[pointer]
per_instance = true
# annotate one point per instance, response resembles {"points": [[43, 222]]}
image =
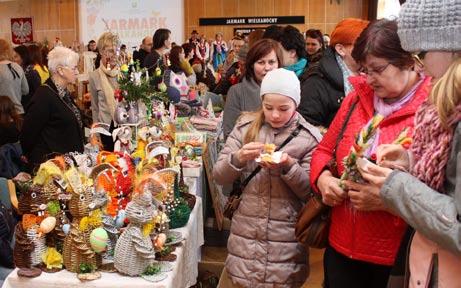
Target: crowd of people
{"points": [[309, 94]]}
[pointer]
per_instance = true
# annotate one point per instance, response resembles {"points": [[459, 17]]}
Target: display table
{"points": [[184, 274]]}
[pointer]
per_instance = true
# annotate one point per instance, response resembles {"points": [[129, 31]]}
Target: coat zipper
{"points": [[407, 262]]}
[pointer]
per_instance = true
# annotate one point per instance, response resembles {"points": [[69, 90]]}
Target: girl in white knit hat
{"points": [[263, 251]]}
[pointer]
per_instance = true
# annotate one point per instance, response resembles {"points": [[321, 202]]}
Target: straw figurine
{"points": [[83, 207], [101, 175], [29, 242], [134, 251]]}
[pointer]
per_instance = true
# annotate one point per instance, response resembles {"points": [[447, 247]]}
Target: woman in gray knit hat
{"points": [[428, 197]]}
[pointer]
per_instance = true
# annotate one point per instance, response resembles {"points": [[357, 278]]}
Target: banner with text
{"points": [[266, 20], [132, 20]]}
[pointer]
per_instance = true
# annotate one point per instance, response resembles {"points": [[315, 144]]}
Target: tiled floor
{"points": [[213, 260]]}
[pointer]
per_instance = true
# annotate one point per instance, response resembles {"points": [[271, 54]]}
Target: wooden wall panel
{"points": [[51, 19], [245, 8], [59, 18], [298, 7], [264, 7], [231, 7], [316, 13], [211, 9], [320, 14], [281, 7]]}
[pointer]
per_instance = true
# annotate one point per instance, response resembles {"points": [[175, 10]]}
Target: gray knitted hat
{"points": [[430, 25]]}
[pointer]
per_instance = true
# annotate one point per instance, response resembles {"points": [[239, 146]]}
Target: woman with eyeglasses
{"points": [[103, 82], [422, 185], [364, 236], [53, 123]]}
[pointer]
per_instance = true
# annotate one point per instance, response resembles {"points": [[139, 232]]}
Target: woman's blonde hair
{"points": [[107, 39], [6, 52], [253, 131], [446, 93]]}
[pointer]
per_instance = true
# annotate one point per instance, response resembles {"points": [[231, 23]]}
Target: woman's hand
{"points": [[393, 156], [249, 151], [332, 194], [374, 174], [364, 197], [285, 163]]}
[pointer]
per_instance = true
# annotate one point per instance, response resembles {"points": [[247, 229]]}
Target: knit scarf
{"points": [[108, 86], [298, 67], [346, 74], [432, 144]]}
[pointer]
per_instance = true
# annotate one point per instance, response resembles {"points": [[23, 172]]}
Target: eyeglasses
{"points": [[373, 72], [75, 68]]}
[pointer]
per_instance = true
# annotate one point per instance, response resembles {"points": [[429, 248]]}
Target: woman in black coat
{"points": [[53, 123]]}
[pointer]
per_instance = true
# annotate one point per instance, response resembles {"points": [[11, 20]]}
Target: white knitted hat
{"points": [[430, 25], [283, 82]]}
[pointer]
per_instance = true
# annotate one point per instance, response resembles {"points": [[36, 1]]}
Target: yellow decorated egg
{"points": [[124, 68], [98, 240], [158, 71], [162, 87], [48, 224]]}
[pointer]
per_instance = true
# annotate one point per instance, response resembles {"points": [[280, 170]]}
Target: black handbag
{"points": [[234, 198]]}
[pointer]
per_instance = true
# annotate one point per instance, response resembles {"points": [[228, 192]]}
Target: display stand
{"points": [[210, 156]]}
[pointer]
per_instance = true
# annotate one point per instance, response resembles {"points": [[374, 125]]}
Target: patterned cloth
{"points": [[432, 144], [65, 96], [346, 74]]}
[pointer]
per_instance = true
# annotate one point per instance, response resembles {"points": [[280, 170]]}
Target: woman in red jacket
{"points": [[364, 237]]}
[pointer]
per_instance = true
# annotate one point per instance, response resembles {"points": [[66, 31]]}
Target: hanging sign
{"points": [[266, 20]]}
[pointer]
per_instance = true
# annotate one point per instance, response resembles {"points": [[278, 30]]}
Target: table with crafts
{"points": [[185, 268]]}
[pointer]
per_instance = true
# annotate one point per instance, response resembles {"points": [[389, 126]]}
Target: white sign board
{"points": [[132, 20]]}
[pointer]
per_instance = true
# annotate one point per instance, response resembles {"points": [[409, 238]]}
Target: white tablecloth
{"points": [[184, 273]]}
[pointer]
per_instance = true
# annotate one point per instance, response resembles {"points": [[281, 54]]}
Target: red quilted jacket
{"points": [[367, 236]]}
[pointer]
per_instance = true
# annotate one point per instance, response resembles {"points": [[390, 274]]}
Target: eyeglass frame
{"points": [[372, 72], [74, 69]]}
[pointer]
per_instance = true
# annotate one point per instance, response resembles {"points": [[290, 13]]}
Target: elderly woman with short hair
{"points": [[53, 122]]}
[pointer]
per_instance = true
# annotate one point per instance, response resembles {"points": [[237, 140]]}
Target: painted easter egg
{"points": [[190, 153], [98, 240], [160, 240], [48, 224], [158, 72], [120, 220], [124, 68], [162, 87], [66, 228]]}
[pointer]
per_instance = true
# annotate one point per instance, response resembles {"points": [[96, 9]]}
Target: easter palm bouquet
{"points": [[363, 140]]}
